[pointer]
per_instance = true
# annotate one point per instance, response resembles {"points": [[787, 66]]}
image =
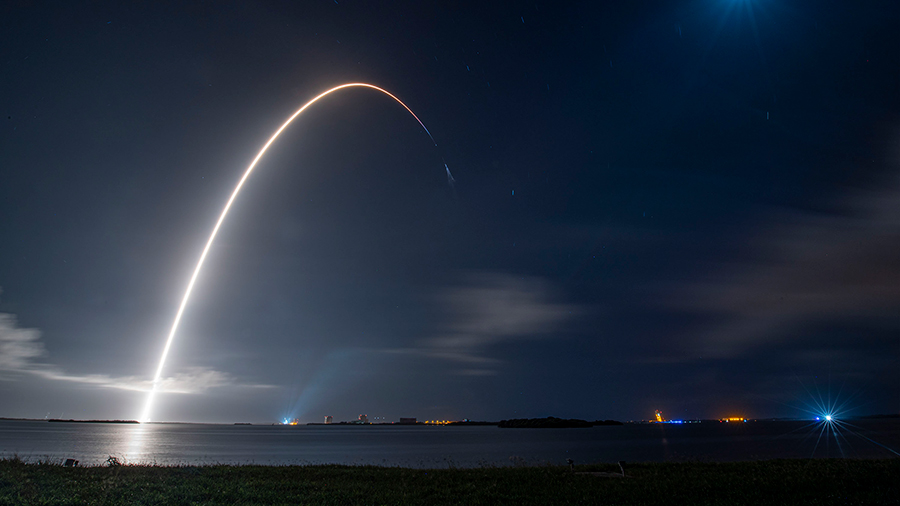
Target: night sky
{"points": [[690, 206]]}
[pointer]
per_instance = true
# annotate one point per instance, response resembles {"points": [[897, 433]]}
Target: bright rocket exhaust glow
{"points": [[145, 417]]}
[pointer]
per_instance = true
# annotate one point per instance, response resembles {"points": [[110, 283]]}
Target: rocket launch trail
{"points": [[148, 406], [450, 180]]}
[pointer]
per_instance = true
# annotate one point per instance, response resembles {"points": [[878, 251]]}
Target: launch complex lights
{"points": [[148, 406], [296, 421], [661, 419]]}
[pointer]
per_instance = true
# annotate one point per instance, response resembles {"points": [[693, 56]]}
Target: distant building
{"points": [[407, 421], [363, 419], [328, 418]]}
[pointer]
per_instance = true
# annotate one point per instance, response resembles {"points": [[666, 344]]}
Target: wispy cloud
{"points": [[805, 268], [191, 381], [18, 347], [489, 309], [21, 349]]}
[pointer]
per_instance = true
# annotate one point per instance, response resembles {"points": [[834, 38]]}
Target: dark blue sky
{"points": [[686, 206]]}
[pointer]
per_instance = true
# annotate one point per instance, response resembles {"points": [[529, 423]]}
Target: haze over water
{"points": [[440, 446]]}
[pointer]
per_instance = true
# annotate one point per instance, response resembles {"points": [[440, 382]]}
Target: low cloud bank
{"points": [[21, 350]]}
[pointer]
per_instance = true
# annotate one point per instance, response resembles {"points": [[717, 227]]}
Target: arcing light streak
{"points": [[145, 417]]}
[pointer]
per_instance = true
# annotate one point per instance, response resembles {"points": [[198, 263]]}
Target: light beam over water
{"points": [[148, 407]]}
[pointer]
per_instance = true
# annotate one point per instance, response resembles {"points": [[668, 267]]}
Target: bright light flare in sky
{"points": [[148, 407]]}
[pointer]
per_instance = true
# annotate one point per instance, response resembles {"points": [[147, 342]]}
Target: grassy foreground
{"points": [[769, 482]]}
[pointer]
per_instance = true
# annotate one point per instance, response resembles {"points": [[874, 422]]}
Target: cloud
{"points": [[20, 349], [476, 372], [491, 309], [191, 381], [805, 268]]}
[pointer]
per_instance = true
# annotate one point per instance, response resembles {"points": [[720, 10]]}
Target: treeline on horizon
{"points": [[551, 422]]}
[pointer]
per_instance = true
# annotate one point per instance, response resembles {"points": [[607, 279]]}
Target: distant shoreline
{"points": [[64, 420], [452, 424]]}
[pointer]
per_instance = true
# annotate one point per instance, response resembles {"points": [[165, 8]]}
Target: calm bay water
{"points": [[441, 446]]}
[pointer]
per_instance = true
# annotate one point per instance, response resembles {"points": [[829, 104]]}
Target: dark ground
{"points": [[834, 481]]}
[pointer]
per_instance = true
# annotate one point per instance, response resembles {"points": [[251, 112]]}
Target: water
{"points": [[440, 446]]}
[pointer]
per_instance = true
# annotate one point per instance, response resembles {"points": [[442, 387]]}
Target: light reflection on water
{"points": [[430, 446], [135, 449]]}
